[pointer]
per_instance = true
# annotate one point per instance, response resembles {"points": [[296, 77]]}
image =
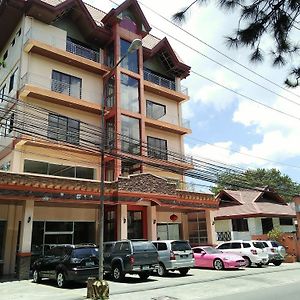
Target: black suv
{"points": [[130, 256], [67, 263]]}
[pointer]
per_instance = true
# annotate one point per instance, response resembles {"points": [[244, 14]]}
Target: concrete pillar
{"points": [[152, 221], [122, 222], [185, 226], [24, 253], [210, 227], [297, 205]]}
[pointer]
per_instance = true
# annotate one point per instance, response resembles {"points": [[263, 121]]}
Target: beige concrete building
{"points": [[60, 63]]}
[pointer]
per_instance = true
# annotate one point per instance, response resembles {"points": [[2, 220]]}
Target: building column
{"points": [[210, 227], [152, 223], [297, 206], [185, 226], [24, 253], [122, 222]]}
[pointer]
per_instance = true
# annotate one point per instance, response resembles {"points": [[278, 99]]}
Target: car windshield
{"points": [[180, 246], [211, 250], [85, 252], [259, 245]]}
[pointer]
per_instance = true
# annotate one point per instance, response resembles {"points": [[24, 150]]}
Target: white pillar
{"points": [[152, 221], [122, 222], [210, 227]]}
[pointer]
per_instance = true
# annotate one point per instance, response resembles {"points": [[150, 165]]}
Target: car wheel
{"points": [[36, 276], [183, 271], [218, 264], [277, 263], [247, 261], [144, 275], [161, 271], [117, 273], [60, 280]]}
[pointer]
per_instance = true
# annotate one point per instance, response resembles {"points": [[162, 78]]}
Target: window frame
{"points": [[150, 114], [240, 224], [156, 151]]}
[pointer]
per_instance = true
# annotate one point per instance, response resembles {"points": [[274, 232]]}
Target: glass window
{"points": [[259, 245], [64, 129], [130, 61], [161, 246], [224, 246], [5, 55], [240, 225], [109, 225], [11, 82], [157, 148], [86, 173], [130, 129], [56, 239], [37, 167], [110, 92], [110, 133], [180, 246], [66, 84], [2, 93], [130, 94], [235, 246], [61, 170], [143, 246], [286, 221], [59, 226], [110, 56], [134, 225], [84, 232], [155, 110], [246, 245], [85, 252]]}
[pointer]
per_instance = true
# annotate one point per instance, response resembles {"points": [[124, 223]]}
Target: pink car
{"points": [[209, 257]]}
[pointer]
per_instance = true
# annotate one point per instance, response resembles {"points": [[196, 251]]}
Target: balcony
{"points": [[59, 48], [164, 87], [170, 123], [53, 91], [233, 235]]}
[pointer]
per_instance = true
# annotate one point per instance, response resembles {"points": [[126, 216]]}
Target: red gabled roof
{"points": [[249, 203]]}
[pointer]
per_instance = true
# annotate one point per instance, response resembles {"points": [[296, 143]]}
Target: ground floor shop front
{"points": [[34, 217]]}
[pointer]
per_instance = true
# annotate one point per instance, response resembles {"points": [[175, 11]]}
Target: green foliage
{"points": [[275, 234], [257, 19], [258, 178]]}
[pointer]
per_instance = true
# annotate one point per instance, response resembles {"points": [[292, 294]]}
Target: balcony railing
{"points": [[224, 236], [161, 81], [82, 51], [59, 87], [175, 120], [63, 44]]}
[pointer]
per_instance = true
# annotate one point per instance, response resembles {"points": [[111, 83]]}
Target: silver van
{"points": [[174, 255]]}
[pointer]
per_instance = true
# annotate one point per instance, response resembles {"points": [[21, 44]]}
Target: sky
{"points": [[227, 127]]}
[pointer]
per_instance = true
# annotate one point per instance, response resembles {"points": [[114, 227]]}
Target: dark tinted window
{"points": [[157, 148], [143, 246], [240, 225], [259, 245], [108, 247], [197, 250], [224, 246], [123, 246], [286, 221], [246, 245], [162, 246], [235, 245], [265, 244], [275, 244], [180, 246], [85, 252]]}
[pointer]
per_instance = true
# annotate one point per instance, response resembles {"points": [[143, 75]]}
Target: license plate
{"points": [[89, 263], [145, 267], [184, 256]]}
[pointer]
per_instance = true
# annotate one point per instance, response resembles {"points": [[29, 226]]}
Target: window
{"points": [[267, 225], [2, 238], [286, 221], [235, 246], [5, 55], [64, 129], [130, 129], [66, 84], [161, 246], [224, 246], [240, 225], [8, 125], [134, 225], [110, 92], [19, 32], [130, 93], [168, 231], [155, 110], [130, 62], [11, 82], [246, 245], [39, 167], [157, 148], [13, 42], [2, 93]]}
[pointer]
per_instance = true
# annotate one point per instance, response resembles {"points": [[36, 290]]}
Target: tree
{"points": [[259, 18], [258, 178]]}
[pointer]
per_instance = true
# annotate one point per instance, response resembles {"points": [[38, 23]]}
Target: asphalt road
{"points": [[249, 284]]}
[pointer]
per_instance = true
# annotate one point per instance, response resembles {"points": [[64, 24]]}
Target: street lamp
{"points": [[135, 45]]}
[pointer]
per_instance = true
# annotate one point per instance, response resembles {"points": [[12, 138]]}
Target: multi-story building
{"points": [[61, 63]]}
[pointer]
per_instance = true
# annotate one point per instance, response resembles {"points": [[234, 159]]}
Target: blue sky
{"points": [[224, 123]]}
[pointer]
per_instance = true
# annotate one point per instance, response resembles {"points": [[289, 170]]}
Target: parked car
{"points": [[253, 252], [67, 263], [130, 256], [174, 255], [275, 251], [209, 257]]}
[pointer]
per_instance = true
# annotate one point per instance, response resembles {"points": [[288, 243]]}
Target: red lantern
{"points": [[173, 217]]}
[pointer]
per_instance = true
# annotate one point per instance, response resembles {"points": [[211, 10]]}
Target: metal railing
{"points": [[161, 81], [82, 51], [224, 236], [59, 87]]}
